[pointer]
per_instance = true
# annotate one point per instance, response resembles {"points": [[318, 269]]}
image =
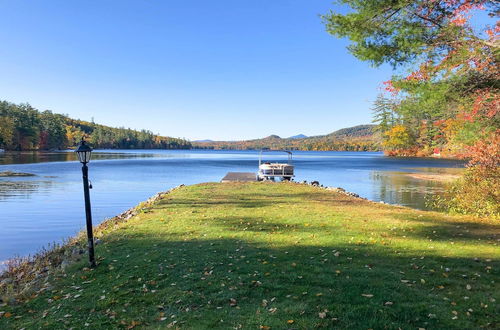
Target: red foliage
{"points": [[485, 154], [486, 103], [389, 87]]}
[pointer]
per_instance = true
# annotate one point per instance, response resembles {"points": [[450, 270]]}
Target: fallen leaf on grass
{"points": [[133, 324], [322, 315], [273, 310], [171, 324], [290, 321], [367, 295]]}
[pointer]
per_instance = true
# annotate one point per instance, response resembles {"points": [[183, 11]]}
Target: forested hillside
{"points": [[23, 127], [357, 138]]}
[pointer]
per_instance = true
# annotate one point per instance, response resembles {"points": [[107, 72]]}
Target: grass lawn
{"points": [[277, 256]]}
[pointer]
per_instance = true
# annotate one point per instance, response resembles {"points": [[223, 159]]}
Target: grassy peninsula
{"points": [[275, 256]]}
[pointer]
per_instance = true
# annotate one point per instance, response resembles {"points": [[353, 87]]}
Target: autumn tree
{"points": [[447, 87]]}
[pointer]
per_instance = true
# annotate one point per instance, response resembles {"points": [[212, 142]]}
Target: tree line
{"points": [[357, 138], [323, 144], [23, 127]]}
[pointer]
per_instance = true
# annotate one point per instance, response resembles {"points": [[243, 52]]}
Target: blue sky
{"points": [[220, 69]]}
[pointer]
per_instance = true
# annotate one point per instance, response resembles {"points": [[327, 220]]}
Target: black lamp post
{"points": [[84, 153]]}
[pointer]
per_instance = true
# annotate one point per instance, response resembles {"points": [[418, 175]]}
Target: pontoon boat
{"points": [[271, 171]]}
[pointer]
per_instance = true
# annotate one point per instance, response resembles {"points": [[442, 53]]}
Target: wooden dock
{"points": [[239, 177]]}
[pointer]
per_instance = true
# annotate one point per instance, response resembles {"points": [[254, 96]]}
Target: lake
{"points": [[48, 207]]}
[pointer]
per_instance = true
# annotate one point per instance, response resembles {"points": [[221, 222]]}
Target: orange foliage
{"points": [[485, 154]]}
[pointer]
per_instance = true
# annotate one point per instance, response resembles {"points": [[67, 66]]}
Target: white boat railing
{"points": [[268, 170]]}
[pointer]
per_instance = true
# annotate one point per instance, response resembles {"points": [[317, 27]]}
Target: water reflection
{"points": [[22, 189], [400, 188], [29, 157]]}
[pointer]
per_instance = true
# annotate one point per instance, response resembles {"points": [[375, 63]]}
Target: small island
{"points": [[14, 174]]}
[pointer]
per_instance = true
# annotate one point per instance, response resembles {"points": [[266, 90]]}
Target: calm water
{"points": [[35, 211]]}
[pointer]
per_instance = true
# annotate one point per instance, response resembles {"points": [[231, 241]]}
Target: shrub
{"points": [[478, 191]]}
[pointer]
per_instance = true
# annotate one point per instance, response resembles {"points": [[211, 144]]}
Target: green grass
{"points": [[284, 256]]}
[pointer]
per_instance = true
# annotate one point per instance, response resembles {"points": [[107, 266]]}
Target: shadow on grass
{"points": [[439, 228], [263, 225], [225, 283]]}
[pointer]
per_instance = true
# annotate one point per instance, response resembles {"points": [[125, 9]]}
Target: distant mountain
{"points": [[299, 136], [356, 138], [207, 140], [357, 131]]}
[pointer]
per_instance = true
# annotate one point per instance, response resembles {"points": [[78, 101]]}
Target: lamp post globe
{"points": [[84, 153]]}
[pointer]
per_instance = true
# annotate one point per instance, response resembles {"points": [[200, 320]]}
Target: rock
{"points": [[64, 264], [6, 281], [27, 289]]}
